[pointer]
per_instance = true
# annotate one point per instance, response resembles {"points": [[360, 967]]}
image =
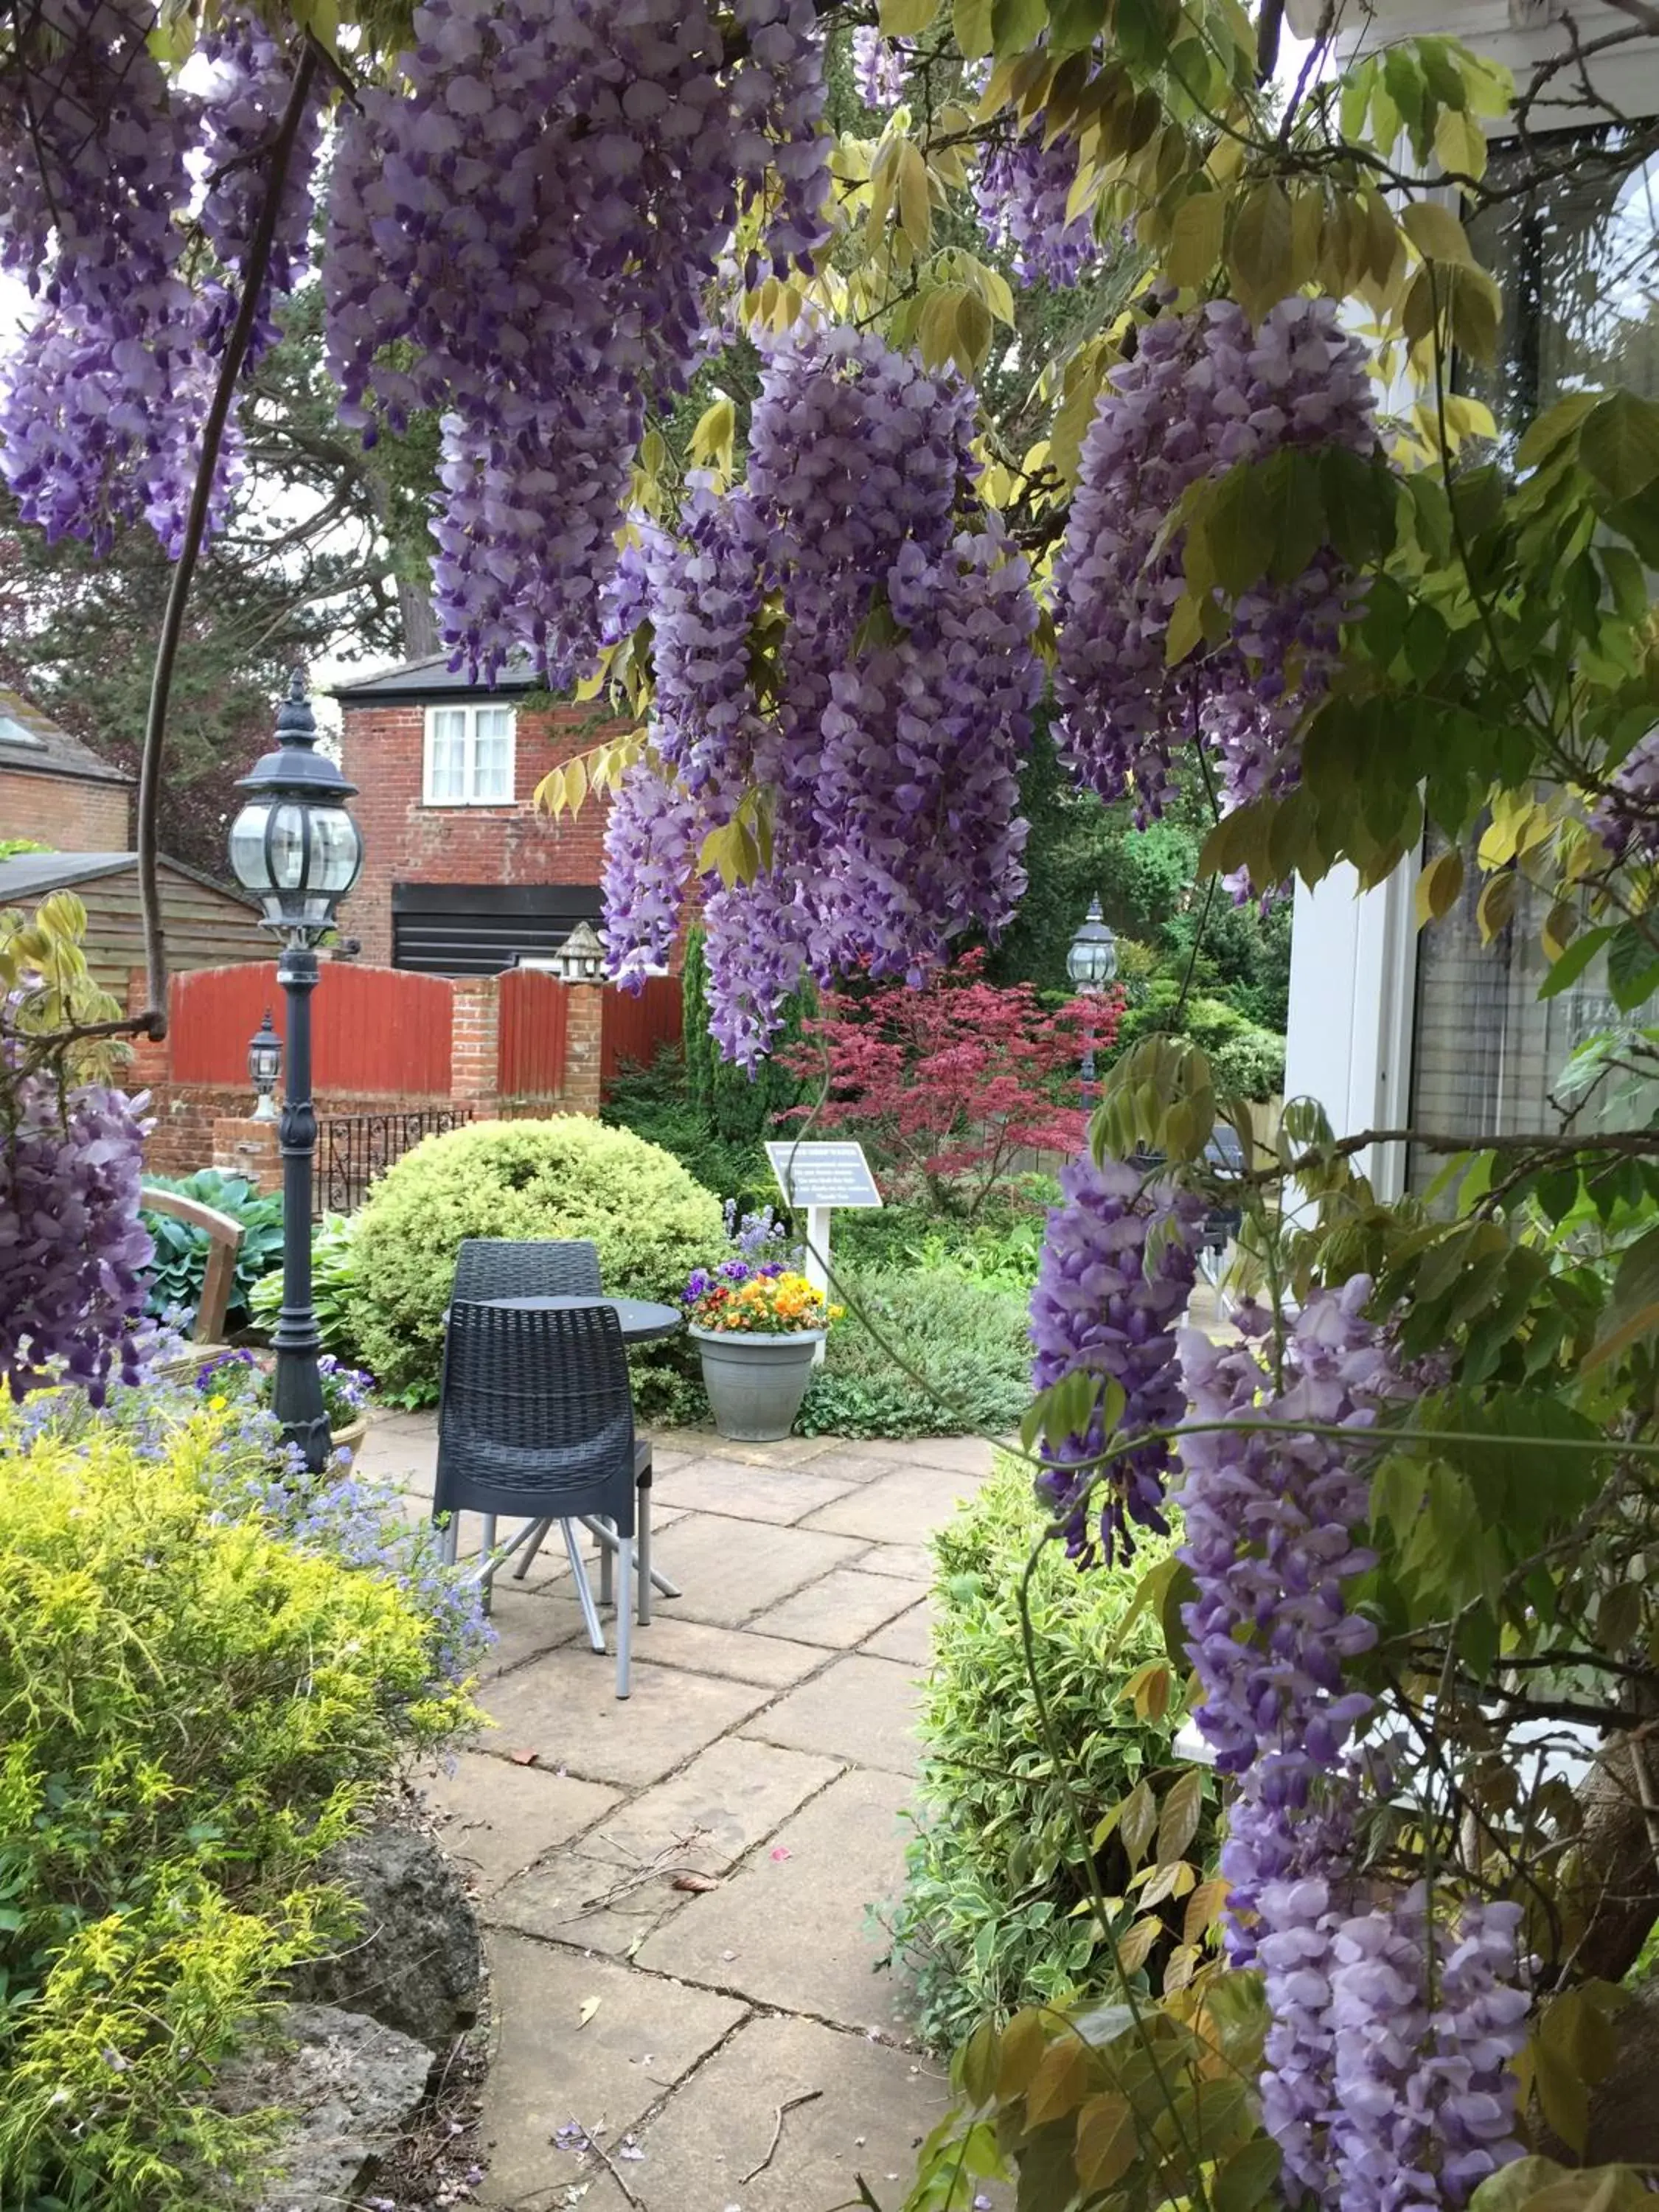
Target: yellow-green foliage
{"points": [[567, 1176], [192, 1710]]}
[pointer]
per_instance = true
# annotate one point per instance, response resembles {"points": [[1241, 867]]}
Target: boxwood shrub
{"points": [[566, 1176], [993, 1914]]}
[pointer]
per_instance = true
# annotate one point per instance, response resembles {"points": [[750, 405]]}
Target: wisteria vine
{"points": [[1202, 394], [881, 752]]}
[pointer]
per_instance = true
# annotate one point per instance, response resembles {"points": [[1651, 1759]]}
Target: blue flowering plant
{"points": [[758, 1250], [240, 1376]]}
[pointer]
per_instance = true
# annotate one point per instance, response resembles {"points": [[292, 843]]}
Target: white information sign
{"points": [[815, 1177]]}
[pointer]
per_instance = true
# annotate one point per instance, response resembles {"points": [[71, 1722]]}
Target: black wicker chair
{"points": [[535, 1421], [512, 1267]]}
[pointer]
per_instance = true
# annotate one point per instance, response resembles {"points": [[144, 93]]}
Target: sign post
{"points": [[814, 1178]]}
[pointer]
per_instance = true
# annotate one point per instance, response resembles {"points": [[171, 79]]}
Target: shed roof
{"points": [[30, 740], [34, 875], [419, 680]]}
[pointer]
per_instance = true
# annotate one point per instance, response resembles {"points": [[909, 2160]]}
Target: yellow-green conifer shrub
{"points": [[567, 1177], [192, 1710]]}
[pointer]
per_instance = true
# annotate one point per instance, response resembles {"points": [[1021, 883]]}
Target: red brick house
{"points": [[461, 875], [56, 790]]}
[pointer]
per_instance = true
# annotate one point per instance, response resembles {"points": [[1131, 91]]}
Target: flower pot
{"points": [[348, 1438], [755, 1383]]}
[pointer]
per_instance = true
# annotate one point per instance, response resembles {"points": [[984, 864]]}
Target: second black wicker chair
{"points": [[535, 1421], [513, 1267]]}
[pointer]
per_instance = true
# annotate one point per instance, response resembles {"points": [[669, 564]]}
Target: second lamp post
{"points": [[295, 848], [1091, 963]]}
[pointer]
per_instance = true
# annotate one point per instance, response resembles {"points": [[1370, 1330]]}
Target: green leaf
{"points": [[1260, 252], [1249, 2179], [1137, 1822], [906, 19], [1195, 237], [1553, 428], [1574, 961], [1074, 25], [1632, 1310], [971, 20], [1178, 1822], [1619, 444], [1436, 233], [1016, 25], [1632, 966]]}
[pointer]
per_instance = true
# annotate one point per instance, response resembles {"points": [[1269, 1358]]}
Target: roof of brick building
{"points": [[418, 681], [31, 740]]}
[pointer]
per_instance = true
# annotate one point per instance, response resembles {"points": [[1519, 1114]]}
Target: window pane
{"points": [[446, 773], [492, 768]]}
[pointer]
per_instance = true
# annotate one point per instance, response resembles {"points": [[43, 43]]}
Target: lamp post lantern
{"points": [[264, 1065], [1091, 963], [295, 848]]}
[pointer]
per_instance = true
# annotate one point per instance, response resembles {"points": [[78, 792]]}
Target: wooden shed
{"points": [[206, 925]]}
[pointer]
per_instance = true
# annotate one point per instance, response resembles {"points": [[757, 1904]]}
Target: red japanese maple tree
{"points": [[948, 1085]]}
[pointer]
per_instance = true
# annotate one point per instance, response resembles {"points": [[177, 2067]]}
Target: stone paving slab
{"points": [[564, 1708], [791, 1928], [498, 1819], [549, 2068], [909, 1640], [739, 1655], [855, 1463], [875, 2107], [727, 1799], [859, 1709], [912, 1562], [841, 1609], [590, 1904], [706, 1443], [526, 1624], [961, 1454], [903, 1508], [750, 1493], [730, 1569]]}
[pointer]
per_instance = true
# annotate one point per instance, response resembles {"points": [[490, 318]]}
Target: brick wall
{"points": [[70, 813], [405, 841]]}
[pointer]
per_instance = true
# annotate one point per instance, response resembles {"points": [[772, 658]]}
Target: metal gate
{"points": [[353, 1148]]}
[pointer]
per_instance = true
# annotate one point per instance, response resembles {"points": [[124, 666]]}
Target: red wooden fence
{"points": [[372, 1028], [535, 1018], [631, 1027]]}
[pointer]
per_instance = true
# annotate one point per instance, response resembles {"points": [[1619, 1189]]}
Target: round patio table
{"points": [[640, 1319]]}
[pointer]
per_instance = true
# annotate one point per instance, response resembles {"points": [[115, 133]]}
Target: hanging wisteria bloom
{"points": [[1118, 1259], [1203, 393], [530, 214], [878, 69], [885, 746], [73, 1255], [1022, 189], [1625, 816], [1390, 2026]]}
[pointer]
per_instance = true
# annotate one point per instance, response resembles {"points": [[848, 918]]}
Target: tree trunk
{"points": [[421, 639], [1610, 1885]]}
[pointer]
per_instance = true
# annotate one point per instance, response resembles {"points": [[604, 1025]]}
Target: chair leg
{"points": [[530, 1549], [625, 1613], [584, 1595], [487, 1540], [449, 1539], [607, 1555], [642, 1522]]}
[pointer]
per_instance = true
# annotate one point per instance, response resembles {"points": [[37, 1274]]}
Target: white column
{"points": [[817, 1269], [1353, 988]]}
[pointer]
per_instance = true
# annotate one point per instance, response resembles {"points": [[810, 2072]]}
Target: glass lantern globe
{"points": [[1092, 960], [294, 845], [264, 1065]]}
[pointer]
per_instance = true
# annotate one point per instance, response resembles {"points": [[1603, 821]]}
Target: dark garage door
{"points": [[479, 929]]}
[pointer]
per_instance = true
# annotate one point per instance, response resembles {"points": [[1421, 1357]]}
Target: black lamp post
{"points": [[264, 1065], [298, 850], [1091, 963]]}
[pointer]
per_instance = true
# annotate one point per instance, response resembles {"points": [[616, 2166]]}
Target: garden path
{"points": [[676, 1888]]}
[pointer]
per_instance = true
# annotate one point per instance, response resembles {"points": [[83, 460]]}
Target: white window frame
{"points": [[470, 794]]}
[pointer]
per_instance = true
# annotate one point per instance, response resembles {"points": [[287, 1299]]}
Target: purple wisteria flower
{"points": [[1626, 818], [1022, 189], [1119, 1257], [1202, 394], [878, 69], [1385, 2079]]}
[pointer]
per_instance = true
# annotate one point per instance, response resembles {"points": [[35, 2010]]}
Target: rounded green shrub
{"points": [[566, 1176]]}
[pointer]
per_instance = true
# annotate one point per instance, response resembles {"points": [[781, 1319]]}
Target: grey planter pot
{"points": [[755, 1383]]}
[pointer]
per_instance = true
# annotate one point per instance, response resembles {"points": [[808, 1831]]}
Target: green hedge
{"points": [[568, 1177], [996, 1872], [194, 1704], [921, 1353]]}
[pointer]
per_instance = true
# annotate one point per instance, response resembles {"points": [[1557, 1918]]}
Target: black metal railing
{"points": [[352, 1149]]}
